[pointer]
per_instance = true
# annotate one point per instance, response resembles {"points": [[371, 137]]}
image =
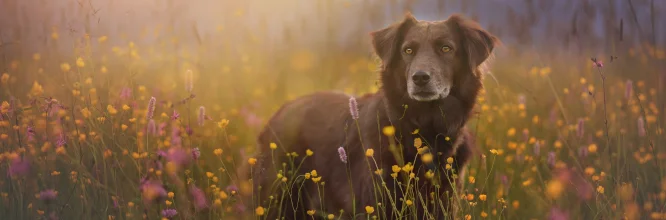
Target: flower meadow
{"points": [[153, 126]]}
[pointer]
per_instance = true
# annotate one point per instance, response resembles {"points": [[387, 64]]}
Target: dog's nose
{"points": [[421, 78]]}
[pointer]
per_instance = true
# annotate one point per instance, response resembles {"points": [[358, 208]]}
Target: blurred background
{"points": [[249, 57]]}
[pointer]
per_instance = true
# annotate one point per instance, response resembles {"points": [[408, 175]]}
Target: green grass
{"points": [[585, 145]]}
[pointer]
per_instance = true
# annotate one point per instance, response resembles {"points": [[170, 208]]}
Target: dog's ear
{"points": [[386, 42], [478, 44]]}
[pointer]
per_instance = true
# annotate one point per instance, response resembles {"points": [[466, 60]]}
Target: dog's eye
{"points": [[409, 51], [446, 49]]}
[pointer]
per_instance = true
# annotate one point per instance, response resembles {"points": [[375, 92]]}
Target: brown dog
{"points": [[430, 81]]}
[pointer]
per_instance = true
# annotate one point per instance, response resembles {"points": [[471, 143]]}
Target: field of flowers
{"points": [[126, 128]]}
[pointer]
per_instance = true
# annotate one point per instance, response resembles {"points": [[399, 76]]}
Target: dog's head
{"points": [[426, 59]]}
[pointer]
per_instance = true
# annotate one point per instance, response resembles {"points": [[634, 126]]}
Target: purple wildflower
{"points": [[151, 108], [628, 89], [597, 63], [557, 214], [169, 213], [189, 81], [175, 115], [189, 131], [202, 116], [537, 148], [30, 133], [582, 151], [551, 159], [353, 108], [580, 128], [175, 136], [125, 93], [161, 153], [196, 153], [641, 127], [179, 156], [151, 129], [240, 207], [152, 191], [62, 140], [199, 197], [161, 129], [343, 154], [19, 167], [47, 195]]}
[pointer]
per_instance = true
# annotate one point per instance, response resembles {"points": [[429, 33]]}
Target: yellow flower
{"points": [[592, 148], [316, 179], [369, 152], [284, 179], [378, 172], [209, 174], [309, 152], [223, 195], [102, 39], [484, 214], [331, 216], [511, 132], [126, 107], [470, 197], [223, 123], [168, 203], [217, 202], [449, 160], [273, 146], [259, 211], [418, 142], [85, 112], [37, 89], [171, 195], [415, 131], [4, 108], [409, 202], [111, 109], [103, 69], [252, 161], [4, 78], [123, 127], [314, 172], [426, 158], [407, 168], [554, 189], [600, 189], [395, 168], [482, 197], [307, 176], [388, 130], [80, 63], [65, 67], [369, 209], [471, 179], [311, 212], [448, 166], [429, 174], [217, 152]]}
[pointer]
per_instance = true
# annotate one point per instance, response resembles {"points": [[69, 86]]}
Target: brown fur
{"points": [[322, 122]]}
